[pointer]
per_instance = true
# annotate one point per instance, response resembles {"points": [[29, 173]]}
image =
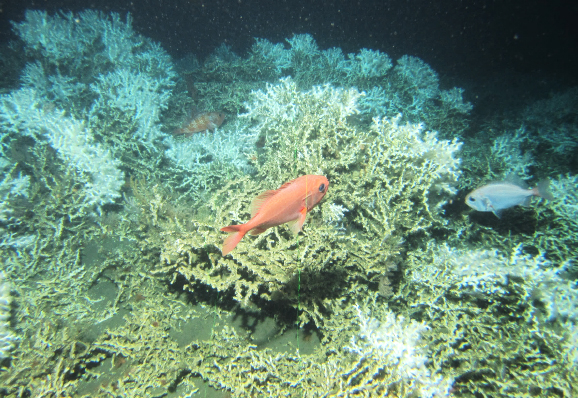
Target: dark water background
{"points": [[462, 39]]}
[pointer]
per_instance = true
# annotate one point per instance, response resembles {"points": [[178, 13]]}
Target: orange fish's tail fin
{"points": [[543, 190], [232, 240]]}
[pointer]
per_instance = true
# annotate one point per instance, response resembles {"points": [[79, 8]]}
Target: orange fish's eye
{"points": [[322, 188]]}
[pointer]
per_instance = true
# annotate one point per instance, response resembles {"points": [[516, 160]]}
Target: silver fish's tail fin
{"points": [[543, 190]]}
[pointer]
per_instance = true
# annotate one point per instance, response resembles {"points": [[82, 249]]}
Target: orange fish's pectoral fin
{"points": [[296, 225], [232, 240], [257, 231]]}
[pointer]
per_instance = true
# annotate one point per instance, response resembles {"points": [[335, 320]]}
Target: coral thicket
{"points": [[113, 282]]}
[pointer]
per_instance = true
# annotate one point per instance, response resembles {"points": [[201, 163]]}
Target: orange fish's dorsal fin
{"points": [[296, 225], [286, 185], [260, 200]]}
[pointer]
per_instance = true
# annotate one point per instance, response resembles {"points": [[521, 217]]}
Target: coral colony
{"points": [[113, 282]]}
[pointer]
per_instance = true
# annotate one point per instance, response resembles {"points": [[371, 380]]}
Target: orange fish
{"points": [[201, 122], [288, 204]]}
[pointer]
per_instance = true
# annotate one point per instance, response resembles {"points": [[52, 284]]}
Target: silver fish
{"points": [[498, 196]]}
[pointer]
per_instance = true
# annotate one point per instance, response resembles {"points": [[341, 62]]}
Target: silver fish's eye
{"points": [[322, 188], [471, 199]]}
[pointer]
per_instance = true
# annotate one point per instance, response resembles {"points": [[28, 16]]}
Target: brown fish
{"points": [[201, 122]]}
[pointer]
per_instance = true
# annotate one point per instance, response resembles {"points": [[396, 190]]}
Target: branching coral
{"points": [[203, 161], [411, 87], [22, 114], [495, 320], [558, 237], [392, 180], [491, 322], [91, 61], [7, 338]]}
